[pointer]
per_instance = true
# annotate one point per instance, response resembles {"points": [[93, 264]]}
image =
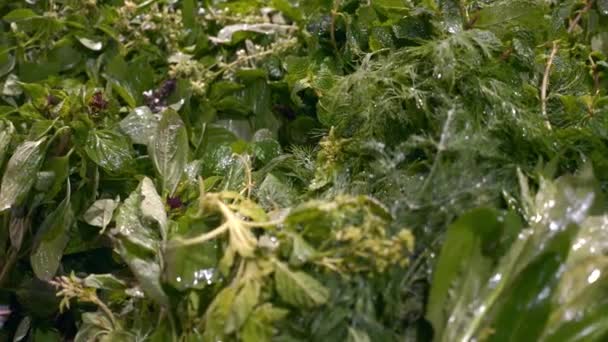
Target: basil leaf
{"points": [[20, 174], [169, 150]]}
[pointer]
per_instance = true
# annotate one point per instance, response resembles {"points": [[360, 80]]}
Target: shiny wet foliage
{"points": [[283, 170]]}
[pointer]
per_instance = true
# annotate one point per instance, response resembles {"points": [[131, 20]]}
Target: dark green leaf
{"points": [[52, 238], [109, 149]]}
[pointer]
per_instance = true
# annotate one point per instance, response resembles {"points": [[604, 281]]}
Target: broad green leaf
{"points": [[273, 192], [23, 329], [146, 269], [109, 149], [105, 282], [152, 207], [259, 325], [298, 288], [525, 308], [169, 150], [356, 335], [6, 135], [51, 240], [59, 167], [244, 303], [129, 79], [131, 225], [7, 63], [191, 266], [139, 242], [20, 173], [140, 125], [217, 314], [20, 14], [464, 240], [509, 14], [301, 251], [101, 212]]}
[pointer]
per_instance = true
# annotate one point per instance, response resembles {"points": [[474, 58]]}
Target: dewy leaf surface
{"points": [[292, 170], [101, 212], [169, 150], [20, 173]]}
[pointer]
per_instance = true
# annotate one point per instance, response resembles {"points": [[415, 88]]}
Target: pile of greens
{"points": [[319, 170]]}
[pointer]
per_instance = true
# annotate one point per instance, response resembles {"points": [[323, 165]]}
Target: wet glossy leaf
{"points": [[191, 266], [105, 282], [130, 220], [101, 212], [20, 173], [6, 134], [169, 150], [138, 240], [465, 238], [140, 125], [109, 149], [90, 43], [23, 329]]}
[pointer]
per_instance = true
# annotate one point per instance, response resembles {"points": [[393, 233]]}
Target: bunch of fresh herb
{"points": [[259, 170]]}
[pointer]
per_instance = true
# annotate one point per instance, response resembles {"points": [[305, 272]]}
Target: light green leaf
{"points": [[356, 335], [169, 150], [259, 325], [20, 174], [152, 206], [91, 44], [105, 282], [100, 213], [298, 288], [244, 302], [130, 223], [242, 239], [20, 14], [217, 314]]}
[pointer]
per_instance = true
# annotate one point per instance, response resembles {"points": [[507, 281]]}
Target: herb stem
{"points": [[202, 238], [545, 84]]}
